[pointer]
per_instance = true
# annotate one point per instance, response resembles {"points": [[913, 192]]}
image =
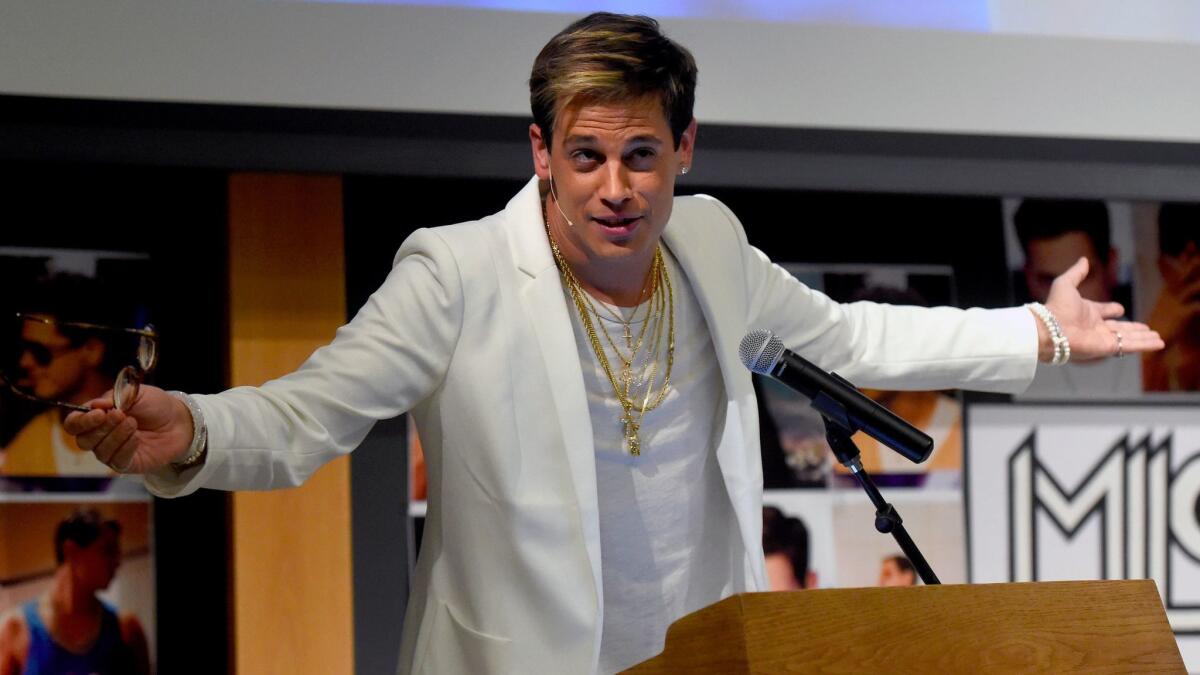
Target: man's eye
{"points": [[642, 157], [583, 156]]}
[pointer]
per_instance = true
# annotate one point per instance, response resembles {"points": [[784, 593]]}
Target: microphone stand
{"points": [[887, 519]]}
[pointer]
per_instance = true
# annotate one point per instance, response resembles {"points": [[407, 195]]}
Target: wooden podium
{"points": [[1048, 627]]}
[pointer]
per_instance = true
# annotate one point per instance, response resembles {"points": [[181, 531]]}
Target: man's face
{"points": [[890, 574], [1047, 258], [95, 565], [1181, 281], [781, 576], [49, 366], [613, 168]]}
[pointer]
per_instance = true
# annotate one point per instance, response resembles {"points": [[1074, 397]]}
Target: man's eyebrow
{"points": [[646, 138], [640, 138]]}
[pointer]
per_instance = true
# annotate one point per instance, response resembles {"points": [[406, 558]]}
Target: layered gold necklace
{"points": [[635, 382]]}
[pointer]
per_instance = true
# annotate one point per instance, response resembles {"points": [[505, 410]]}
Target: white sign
{"points": [[1056, 492]]}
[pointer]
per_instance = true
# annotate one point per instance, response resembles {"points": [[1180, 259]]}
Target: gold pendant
{"points": [[626, 377], [631, 434], [628, 337]]}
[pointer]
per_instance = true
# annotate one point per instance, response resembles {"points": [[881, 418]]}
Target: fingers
{"points": [[1135, 337], [1128, 327], [78, 423], [1076, 273], [117, 448], [1111, 310], [105, 402], [100, 424]]}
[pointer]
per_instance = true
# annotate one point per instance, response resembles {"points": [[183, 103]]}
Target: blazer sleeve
{"points": [[887, 346], [394, 353]]}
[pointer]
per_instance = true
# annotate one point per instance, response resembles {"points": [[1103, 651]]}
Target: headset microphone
{"points": [[554, 194]]}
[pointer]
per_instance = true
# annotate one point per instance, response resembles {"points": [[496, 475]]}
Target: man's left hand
{"points": [[1093, 329]]}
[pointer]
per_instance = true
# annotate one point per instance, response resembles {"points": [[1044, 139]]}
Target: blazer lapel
{"points": [[717, 288], [546, 309]]}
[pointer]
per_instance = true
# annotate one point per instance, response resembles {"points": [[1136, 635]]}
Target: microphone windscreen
{"points": [[760, 350]]}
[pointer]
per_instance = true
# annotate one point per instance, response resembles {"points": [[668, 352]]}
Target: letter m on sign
{"points": [[1034, 489]]}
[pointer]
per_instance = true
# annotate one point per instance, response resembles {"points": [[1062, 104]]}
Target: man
{"points": [[571, 364], [896, 570], [70, 630], [1176, 313], [785, 552], [1054, 234], [58, 363]]}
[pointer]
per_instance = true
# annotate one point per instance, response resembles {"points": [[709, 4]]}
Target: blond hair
{"points": [[607, 58]]}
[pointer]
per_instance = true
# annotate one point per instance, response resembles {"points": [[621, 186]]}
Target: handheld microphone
{"points": [[834, 397], [554, 193]]}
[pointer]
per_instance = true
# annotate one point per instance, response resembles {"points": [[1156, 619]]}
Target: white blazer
{"points": [[471, 332]]}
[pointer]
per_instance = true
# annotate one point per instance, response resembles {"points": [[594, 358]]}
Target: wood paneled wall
{"points": [[27, 534], [291, 566]]}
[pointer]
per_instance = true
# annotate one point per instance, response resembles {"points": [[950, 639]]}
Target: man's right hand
{"points": [[156, 431]]}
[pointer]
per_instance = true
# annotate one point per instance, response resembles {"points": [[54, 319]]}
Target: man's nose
{"points": [[26, 361], [616, 188]]}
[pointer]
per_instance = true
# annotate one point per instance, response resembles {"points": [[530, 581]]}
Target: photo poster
{"points": [[795, 452], [1077, 491], [418, 490], [1046, 236], [47, 547], [46, 356], [1167, 294], [837, 540]]}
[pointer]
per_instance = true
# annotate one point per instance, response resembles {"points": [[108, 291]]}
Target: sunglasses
{"points": [[40, 353], [129, 379]]}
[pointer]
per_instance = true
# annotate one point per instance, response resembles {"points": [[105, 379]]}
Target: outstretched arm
{"points": [[388, 358]]}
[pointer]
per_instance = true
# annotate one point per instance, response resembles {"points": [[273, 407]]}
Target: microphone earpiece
{"points": [[554, 194]]}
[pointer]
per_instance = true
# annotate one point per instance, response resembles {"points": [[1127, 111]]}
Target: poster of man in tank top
{"points": [[76, 588]]}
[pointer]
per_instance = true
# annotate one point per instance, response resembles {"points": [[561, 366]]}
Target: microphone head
{"points": [[760, 350]]}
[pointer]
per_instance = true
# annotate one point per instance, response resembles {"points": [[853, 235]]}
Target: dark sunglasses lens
{"points": [[125, 389], [39, 353]]}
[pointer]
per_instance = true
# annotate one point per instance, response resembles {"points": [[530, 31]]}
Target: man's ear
{"points": [[540, 148], [687, 145]]}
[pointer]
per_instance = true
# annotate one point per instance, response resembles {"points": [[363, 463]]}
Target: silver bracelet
{"points": [[199, 442], [1062, 347]]}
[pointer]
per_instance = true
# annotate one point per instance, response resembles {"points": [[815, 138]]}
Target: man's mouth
{"points": [[618, 225]]}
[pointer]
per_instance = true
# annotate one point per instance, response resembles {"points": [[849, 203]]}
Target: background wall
{"points": [[437, 59]]}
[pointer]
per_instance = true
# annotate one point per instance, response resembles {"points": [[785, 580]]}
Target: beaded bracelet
{"points": [[1062, 347], [199, 444]]}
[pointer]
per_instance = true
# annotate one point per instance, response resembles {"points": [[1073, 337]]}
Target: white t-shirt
{"points": [[668, 538]]}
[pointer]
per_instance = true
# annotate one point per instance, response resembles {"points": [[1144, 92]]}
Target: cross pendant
{"points": [[631, 434], [628, 337]]}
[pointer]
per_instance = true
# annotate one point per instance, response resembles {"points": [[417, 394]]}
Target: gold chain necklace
{"points": [[632, 414], [630, 344]]}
